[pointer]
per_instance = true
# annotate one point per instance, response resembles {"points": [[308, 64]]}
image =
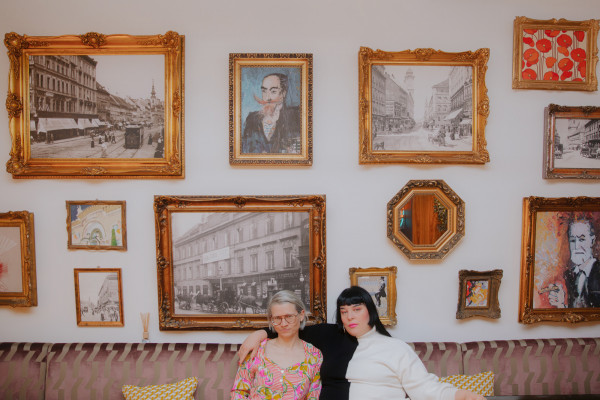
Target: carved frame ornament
{"points": [[546, 259], [491, 307], [225, 307], [25, 251], [23, 165], [372, 151]]}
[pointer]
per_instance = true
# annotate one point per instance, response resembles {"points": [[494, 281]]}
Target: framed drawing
{"points": [[381, 284], [220, 259], [270, 109], [478, 294], [560, 271], [96, 106], [425, 219], [18, 286], [555, 54], [96, 225], [99, 297], [571, 142], [422, 106]]}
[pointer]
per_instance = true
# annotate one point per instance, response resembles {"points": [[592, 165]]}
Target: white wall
{"points": [[333, 30]]}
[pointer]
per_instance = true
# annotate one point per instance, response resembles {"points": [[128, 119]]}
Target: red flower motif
{"points": [[579, 35], [531, 56], [529, 74], [564, 40], [528, 40], [550, 76], [565, 64], [578, 54], [530, 31], [563, 50], [581, 68], [550, 61], [566, 75], [577, 80], [543, 45], [551, 33]]}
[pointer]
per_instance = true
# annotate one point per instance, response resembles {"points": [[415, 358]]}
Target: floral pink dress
{"points": [[259, 378]]}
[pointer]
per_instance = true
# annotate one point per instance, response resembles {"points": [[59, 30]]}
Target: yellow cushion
{"points": [[482, 383], [183, 390]]}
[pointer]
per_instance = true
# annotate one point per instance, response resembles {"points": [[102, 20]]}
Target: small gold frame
{"points": [[100, 315], [84, 234], [371, 152], [300, 91], [22, 220], [372, 279], [168, 162], [560, 70], [491, 307]]}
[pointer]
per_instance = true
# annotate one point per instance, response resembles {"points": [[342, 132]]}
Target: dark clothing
{"points": [[590, 297], [285, 138], [337, 348]]}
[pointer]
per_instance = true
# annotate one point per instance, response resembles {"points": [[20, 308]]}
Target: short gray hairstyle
{"points": [[286, 296]]}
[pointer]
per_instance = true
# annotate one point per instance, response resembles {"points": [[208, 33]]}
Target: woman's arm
{"points": [[462, 394], [250, 345]]}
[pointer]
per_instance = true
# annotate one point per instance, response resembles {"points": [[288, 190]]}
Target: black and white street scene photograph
{"points": [[98, 296], [577, 143], [416, 108], [108, 106], [233, 262], [377, 287]]}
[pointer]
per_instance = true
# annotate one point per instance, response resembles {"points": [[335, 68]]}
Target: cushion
{"points": [[482, 383], [183, 390]]}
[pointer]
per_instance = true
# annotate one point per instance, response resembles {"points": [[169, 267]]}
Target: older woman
{"points": [[285, 368]]}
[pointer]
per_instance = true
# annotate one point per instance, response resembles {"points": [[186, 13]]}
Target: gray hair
{"points": [[282, 297]]}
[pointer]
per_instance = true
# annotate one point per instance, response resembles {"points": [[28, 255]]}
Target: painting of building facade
{"points": [[96, 225]]}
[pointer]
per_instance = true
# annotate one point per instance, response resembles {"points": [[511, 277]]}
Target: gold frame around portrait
{"points": [[216, 317], [237, 61], [367, 58], [123, 227], [27, 297], [76, 273], [551, 113], [531, 207], [590, 27], [390, 274], [22, 165], [492, 309]]}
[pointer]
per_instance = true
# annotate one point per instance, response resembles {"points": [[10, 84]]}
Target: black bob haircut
{"points": [[358, 295]]}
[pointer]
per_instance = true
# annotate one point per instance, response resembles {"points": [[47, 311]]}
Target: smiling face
{"points": [[355, 318], [581, 242], [281, 311]]}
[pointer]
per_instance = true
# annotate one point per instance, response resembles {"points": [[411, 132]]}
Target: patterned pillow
{"points": [[482, 383], [183, 390]]}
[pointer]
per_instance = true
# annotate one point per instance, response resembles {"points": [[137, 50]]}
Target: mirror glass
{"points": [[431, 216]]}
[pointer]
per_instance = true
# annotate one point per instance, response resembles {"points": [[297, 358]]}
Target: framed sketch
{"points": [[555, 54], [220, 259], [422, 106], [98, 297], [381, 284], [96, 225], [270, 109], [571, 142], [560, 271], [18, 287], [478, 294], [96, 106]]}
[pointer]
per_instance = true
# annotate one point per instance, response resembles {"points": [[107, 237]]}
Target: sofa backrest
{"points": [[440, 358], [23, 370]]}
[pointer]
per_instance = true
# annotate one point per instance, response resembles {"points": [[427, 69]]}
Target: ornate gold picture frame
{"points": [[422, 106], [96, 106], [220, 259], [96, 225], [270, 109], [18, 284], [555, 54], [381, 284], [560, 271], [99, 297], [478, 294], [571, 142]]}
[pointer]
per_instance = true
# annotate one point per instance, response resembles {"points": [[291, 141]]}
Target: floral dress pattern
{"points": [[259, 378]]}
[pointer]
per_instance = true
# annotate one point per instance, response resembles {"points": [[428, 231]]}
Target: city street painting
{"points": [[96, 106], [555, 54], [478, 294], [98, 297], [381, 284], [571, 142], [270, 109], [96, 225], [560, 271], [220, 259], [422, 106], [18, 286]]}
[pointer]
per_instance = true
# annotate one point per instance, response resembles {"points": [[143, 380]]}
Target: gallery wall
{"points": [[333, 30]]}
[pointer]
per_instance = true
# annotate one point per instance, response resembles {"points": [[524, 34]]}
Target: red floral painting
{"points": [[554, 55]]}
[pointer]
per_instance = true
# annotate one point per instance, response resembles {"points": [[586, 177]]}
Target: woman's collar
{"points": [[370, 333]]}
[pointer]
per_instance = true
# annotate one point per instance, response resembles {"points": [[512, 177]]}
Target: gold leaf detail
{"points": [[93, 39], [13, 105], [424, 54], [93, 171]]}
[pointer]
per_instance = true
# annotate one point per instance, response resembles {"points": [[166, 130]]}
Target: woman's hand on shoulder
{"points": [[251, 344], [462, 394]]}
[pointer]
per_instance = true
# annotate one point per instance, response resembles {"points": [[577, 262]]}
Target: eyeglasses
{"points": [[289, 318]]}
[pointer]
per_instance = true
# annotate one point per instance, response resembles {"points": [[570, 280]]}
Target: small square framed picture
{"points": [[381, 284], [96, 225], [478, 294], [99, 297]]}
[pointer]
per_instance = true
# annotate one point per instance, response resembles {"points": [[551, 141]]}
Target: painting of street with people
{"points": [[99, 297]]}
